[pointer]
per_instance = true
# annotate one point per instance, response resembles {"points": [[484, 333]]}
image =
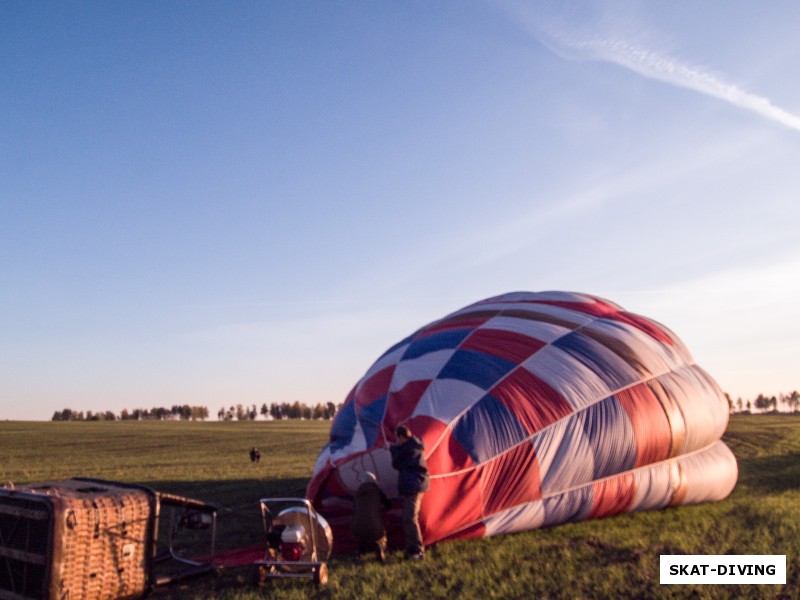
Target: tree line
{"points": [[185, 412], [278, 412], [766, 404], [782, 403], [159, 413]]}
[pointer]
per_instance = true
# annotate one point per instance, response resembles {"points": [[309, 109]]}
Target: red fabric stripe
{"points": [[316, 485], [612, 496], [606, 311], [534, 403], [595, 308], [650, 424], [505, 344], [375, 387], [401, 404], [650, 328], [675, 416], [238, 557], [451, 503], [510, 479], [475, 530], [448, 456], [452, 324]]}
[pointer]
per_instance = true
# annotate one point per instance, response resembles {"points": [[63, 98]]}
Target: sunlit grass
{"points": [[610, 558]]}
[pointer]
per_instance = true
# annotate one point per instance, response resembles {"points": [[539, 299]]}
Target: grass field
{"points": [[610, 558]]}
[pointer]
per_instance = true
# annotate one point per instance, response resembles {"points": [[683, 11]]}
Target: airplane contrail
{"points": [[572, 44], [668, 70]]}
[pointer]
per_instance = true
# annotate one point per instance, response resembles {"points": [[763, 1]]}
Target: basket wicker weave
{"points": [[76, 539]]}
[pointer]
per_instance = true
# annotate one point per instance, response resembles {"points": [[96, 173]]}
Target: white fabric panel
{"points": [[544, 332], [424, 367], [710, 475], [721, 412], [578, 384], [378, 461], [382, 363], [700, 405], [565, 457], [678, 346], [445, 399], [357, 444], [322, 460], [520, 518], [653, 487]]}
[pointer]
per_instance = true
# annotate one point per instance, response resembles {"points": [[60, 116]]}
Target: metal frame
{"points": [[273, 569], [195, 567]]}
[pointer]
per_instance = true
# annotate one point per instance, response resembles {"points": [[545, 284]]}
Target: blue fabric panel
{"points": [[396, 346], [575, 505], [370, 418], [653, 487], [565, 458], [611, 437], [488, 429], [436, 341], [478, 368], [608, 366], [343, 426]]}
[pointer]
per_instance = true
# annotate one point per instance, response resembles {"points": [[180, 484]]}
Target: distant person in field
{"points": [[408, 457], [367, 524], [255, 455]]}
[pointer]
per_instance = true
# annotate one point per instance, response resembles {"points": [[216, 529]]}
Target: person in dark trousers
{"points": [[255, 455], [408, 457], [367, 524]]}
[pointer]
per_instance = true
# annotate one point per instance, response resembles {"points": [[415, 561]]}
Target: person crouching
{"points": [[367, 524]]}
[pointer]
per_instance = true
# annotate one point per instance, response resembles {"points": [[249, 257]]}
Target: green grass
{"points": [[610, 558]]}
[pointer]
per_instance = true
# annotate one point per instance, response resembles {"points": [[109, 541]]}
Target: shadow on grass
{"points": [[233, 492], [771, 474], [239, 526], [239, 521]]}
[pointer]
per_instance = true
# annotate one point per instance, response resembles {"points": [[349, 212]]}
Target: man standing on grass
{"points": [[409, 459]]}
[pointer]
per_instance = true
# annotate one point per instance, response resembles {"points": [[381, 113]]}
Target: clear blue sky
{"points": [[216, 203]]}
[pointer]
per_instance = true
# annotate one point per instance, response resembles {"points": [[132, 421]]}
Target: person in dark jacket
{"points": [[408, 457], [367, 524]]}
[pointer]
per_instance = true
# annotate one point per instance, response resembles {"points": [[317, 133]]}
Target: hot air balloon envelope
{"points": [[535, 409]]}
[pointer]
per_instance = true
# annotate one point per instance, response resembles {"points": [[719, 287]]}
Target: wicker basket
{"points": [[76, 539]]}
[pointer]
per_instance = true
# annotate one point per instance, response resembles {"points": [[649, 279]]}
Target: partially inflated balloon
{"points": [[535, 409]]}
